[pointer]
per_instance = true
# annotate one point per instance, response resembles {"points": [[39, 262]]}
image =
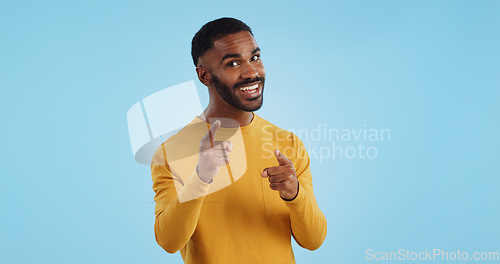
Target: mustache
{"points": [[248, 81]]}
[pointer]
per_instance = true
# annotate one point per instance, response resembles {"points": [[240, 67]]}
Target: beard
{"points": [[229, 95]]}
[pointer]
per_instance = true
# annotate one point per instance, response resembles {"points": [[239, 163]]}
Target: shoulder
{"points": [[278, 134], [183, 143]]}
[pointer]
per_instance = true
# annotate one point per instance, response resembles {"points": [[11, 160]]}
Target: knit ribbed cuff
{"points": [[193, 189]]}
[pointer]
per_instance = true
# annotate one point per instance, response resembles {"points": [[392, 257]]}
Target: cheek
{"points": [[224, 77], [231, 78]]}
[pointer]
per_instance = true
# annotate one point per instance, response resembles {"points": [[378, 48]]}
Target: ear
{"points": [[204, 75]]}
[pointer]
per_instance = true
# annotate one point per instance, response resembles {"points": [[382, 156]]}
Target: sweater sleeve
{"points": [[178, 204], [307, 221]]}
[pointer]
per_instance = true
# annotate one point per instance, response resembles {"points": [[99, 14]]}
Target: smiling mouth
{"points": [[250, 89]]}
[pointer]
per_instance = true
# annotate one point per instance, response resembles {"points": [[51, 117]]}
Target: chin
{"points": [[252, 108]]}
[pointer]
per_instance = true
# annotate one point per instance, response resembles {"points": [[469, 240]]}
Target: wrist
{"points": [[201, 178], [296, 194]]}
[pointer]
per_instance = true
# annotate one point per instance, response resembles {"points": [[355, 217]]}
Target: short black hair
{"points": [[204, 39]]}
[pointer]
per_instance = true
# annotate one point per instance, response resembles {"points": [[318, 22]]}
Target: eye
{"points": [[255, 57], [232, 64]]}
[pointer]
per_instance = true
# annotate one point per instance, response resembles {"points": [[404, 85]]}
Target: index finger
{"points": [[273, 171], [211, 133]]}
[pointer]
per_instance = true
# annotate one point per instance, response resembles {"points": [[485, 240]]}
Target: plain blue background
{"points": [[71, 191]]}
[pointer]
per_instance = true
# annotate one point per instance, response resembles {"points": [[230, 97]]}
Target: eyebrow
{"points": [[234, 55]]}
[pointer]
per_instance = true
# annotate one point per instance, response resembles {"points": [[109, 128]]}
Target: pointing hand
{"points": [[212, 154], [282, 178]]}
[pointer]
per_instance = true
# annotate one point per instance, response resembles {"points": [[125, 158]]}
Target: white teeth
{"points": [[255, 86]]}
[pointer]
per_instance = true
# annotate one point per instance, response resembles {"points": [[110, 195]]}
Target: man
{"points": [[231, 187]]}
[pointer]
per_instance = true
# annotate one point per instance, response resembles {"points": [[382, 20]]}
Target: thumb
{"points": [[282, 160]]}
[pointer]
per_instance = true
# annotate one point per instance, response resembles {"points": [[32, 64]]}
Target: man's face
{"points": [[237, 73]]}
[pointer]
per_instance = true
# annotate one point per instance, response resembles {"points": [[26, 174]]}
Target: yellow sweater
{"points": [[237, 218]]}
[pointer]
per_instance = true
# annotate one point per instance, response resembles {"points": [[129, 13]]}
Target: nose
{"points": [[249, 71]]}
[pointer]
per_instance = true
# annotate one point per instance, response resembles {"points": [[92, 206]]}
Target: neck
{"points": [[215, 111]]}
